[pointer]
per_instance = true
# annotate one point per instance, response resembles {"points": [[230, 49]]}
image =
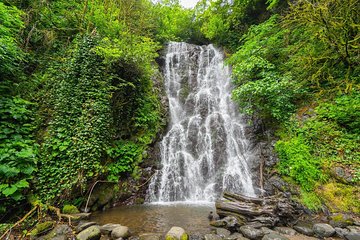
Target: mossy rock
{"points": [[70, 209], [341, 220], [177, 233], [42, 228]]}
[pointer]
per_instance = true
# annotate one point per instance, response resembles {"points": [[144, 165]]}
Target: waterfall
{"points": [[204, 151]]}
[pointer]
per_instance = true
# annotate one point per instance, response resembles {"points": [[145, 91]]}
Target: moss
{"points": [[340, 197], [310, 200], [184, 237], [340, 218], [70, 209], [42, 228]]}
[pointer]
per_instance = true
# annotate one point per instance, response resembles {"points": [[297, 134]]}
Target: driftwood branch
{"points": [[266, 211]]}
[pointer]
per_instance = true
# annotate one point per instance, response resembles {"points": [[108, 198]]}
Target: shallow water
{"points": [[159, 218]]}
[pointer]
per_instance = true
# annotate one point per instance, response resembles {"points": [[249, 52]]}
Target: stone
{"points": [[120, 232], [70, 209], [323, 230], [352, 236], [354, 229], [222, 232], [150, 236], [41, 229], [212, 237], [235, 236], [107, 228], [60, 232], [267, 230], [84, 225], [251, 232], [176, 233], [79, 216], [341, 232], [341, 220], [232, 222], [303, 229], [274, 236], [90, 233], [286, 231]]}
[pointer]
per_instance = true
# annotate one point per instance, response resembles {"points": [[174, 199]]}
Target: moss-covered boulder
{"points": [[41, 228], [177, 233], [91, 233], [341, 220], [70, 209]]}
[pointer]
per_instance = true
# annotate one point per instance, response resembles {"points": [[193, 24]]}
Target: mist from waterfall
{"points": [[204, 151]]}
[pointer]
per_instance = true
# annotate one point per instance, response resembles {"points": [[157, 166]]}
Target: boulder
{"points": [[176, 233], [107, 228], [304, 229], [90, 233], [274, 236], [84, 225], [267, 230], [212, 237], [323, 230], [286, 231], [352, 236], [150, 236], [222, 232], [251, 232], [229, 222], [120, 232]]}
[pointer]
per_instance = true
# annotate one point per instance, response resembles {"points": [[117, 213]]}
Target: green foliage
{"points": [[311, 200], [10, 53], [17, 150], [263, 88], [298, 163]]}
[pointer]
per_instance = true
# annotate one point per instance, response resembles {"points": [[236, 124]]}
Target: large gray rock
{"points": [[323, 230], [251, 232], [84, 225], [60, 232], [274, 236], [212, 237], [150, 236], [229, 222], [304, 229], [267, 230], [120, 232], [91, 233], [286, 231], [222, 232], [177, 233], [107, 228], [352, 236]]}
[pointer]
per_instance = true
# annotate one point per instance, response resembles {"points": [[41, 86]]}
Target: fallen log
{"points": [[266, 211]]}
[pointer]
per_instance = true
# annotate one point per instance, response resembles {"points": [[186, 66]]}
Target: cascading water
{"points": [[204, 151]]}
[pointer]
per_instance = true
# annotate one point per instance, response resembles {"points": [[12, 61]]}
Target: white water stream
{"points": [[204, 151]]}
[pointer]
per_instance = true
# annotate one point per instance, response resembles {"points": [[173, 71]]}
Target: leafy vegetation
{"points": [[79, 104]]}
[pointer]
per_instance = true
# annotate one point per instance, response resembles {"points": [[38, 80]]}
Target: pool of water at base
{"points": [[159, 217]]}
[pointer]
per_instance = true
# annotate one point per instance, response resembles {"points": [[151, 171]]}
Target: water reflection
{"points": [[159, 218]]}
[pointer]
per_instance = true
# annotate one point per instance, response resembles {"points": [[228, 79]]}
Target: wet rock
{"points": [[91, 233], [218, 223], [341, 220], [354, 229], [83, 226], [251, 232], [323, 230], [341, 232], [231, 222], [176, 233], [80, 216], [274, 236], [304, 229], [352, 236], [286, 231], [107, 228], [341, 175], [102, 196], [222, 232], [212, 237], [150, 236], [120, 232]]}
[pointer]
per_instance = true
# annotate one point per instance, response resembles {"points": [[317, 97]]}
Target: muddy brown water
{"points": [[159, 218]]}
